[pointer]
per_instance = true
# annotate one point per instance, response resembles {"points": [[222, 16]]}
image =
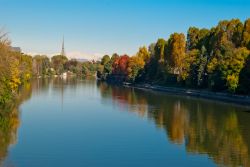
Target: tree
{"points": [[105, 59], [235, 27], [120, 65], [15, 69], [230, 31], [176, 53], [143, 54], [106, 66], [197, 38], [74, 67], [41, 65], [197, 61], [244, 78], [192, 38], [159, 50], [90, 69], [246, 34], [191, 65], [58, 63], [107, 63], [151, 50], [209, 58], [225, 69], [157, 64], [135, 66]]}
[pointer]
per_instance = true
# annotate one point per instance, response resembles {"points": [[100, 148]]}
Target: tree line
{"points": [[44, 66], [17, 68], [216, 59]]}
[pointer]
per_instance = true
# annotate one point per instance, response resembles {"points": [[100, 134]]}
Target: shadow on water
{"points": [[218, 130]]}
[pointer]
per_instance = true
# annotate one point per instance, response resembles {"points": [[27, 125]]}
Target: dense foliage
{"points": [[15, 69], [43, 66], [215, 59]]}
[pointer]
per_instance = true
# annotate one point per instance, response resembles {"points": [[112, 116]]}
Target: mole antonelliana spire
{"points": [[63, 51]]}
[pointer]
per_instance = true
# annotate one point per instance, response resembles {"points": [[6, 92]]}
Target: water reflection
{"points": [[220, 131], [9, 120], [9, 113]]}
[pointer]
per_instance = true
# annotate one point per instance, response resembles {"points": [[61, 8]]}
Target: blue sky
{"points": [[96, 27]]}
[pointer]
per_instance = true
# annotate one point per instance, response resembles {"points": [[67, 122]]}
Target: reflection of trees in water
{"points": [[205, 127], [9, 113], [42, 85], [123, 98], [218, 133], [9, 120]]}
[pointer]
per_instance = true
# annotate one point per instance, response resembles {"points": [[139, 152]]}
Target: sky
{"points": [[92, 28]]}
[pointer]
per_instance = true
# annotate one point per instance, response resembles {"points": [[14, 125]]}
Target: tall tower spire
{"points": [[63, 51]]}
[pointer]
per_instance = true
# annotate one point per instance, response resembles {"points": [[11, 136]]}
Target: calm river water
{"points": [[85, 123]]}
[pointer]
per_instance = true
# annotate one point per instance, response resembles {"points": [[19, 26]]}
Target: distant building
{"points": [[16, 49], [63, 50]]}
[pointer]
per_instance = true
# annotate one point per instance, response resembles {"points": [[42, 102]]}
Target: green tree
{"points": [[105, 59], [90, 68], [157, 65], [197, 38], [106, 66], [197, 74], [192, 38], [225, 69], [41, 65], [246, 34], [159, 50], [244, 78], [58, 63]]}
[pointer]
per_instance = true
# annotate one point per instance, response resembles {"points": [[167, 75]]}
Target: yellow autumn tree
{"points": [[176, 53], [135, 64]]}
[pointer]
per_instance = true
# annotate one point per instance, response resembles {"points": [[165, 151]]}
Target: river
{"points": [[74, 122]]}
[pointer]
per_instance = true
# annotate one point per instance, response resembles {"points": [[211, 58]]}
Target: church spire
{"points": [[63, 51]]}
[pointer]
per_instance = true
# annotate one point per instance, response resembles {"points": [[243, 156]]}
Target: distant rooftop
{"points": [[16, 49]]}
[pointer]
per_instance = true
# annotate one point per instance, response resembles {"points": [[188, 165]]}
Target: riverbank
{"points": [[223, 97]]}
